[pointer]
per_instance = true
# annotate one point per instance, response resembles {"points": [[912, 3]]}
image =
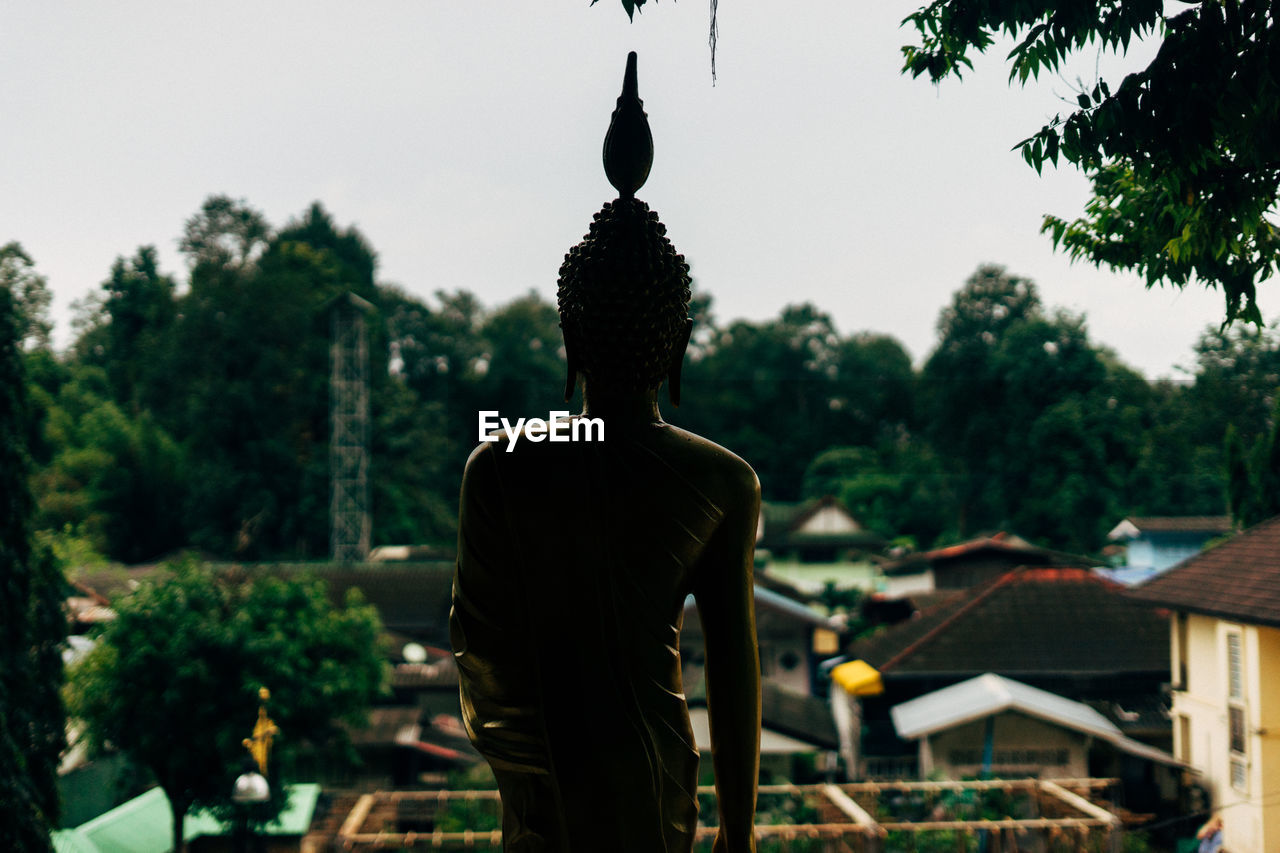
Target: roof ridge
{"points": [[933, 632], [1086, 573]]}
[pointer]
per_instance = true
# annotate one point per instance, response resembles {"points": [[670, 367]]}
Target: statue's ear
{"points": [[571, 363], [677, 363]]}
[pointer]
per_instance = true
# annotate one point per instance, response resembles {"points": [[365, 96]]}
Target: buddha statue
{"points": [[575, 559]]}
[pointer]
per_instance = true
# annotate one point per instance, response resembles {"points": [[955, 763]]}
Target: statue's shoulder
{"points": [[716, 468], [496, 441]]}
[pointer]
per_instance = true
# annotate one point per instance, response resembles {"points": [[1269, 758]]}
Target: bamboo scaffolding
{"points": [[860, 823]]}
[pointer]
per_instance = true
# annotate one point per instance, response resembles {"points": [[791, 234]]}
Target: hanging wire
{"points": [[712, 38]]}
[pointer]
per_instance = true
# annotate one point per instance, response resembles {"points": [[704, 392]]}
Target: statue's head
{"points": [[624, 302], [623, 291]]}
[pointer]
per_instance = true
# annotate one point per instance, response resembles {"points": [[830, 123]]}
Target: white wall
{"points": [[899, 586], [1022, 745], [1250, 812], [829, 519]]}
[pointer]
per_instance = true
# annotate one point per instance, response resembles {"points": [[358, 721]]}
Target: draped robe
{"points": [[574, 563]]}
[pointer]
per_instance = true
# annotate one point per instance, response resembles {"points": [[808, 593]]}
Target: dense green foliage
{"points": [[31, 590], [1180, 153], [198, 416], [194, 645]]}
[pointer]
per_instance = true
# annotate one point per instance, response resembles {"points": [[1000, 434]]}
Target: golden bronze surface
{"points": [[575, 559]]}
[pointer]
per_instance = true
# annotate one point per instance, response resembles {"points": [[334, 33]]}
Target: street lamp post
{"points": [[251, 788]]}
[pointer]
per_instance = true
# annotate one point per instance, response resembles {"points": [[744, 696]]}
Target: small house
{"points": [[995, 726], [1151, 544], [1225, 672], [969, 564], [816, 542], [1061, 629]]}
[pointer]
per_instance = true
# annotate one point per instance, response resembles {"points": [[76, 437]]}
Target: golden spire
{"points": [[264, 730], [628, 145]]}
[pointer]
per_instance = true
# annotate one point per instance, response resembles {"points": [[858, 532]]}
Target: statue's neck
{"points": [[638, 407]]}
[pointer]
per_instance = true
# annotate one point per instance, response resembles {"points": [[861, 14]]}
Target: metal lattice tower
{"points": [[349, 522]]}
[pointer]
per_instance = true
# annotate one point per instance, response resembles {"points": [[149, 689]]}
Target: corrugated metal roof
{"points": [[990, 694], [72, 841], [780, 603], [768, 599]]}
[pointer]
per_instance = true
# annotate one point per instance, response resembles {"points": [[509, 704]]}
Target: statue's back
{"points": [[575, 559], [575, 562]]}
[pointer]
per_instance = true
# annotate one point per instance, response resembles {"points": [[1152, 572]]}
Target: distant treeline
{"points": [[195, 413]]}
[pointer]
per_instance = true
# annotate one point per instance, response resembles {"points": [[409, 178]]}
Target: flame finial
{"points": [[628, 146]]}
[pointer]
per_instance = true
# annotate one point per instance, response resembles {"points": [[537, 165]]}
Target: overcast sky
{"points": [[463, 139]]}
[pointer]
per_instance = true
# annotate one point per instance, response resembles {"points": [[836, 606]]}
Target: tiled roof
{"points": [[1003, 543], [1238, 579], [805, 717], [1213, 524], [410, 597], [1030, 621]]}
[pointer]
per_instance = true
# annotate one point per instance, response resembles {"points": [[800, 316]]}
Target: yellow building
{"points": [[1225, 638]]}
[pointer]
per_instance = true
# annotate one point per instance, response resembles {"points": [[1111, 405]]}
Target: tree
{"points": [[117, 479], [31, 622], [1236, 381], [1018, 401], [253, 407], [140, 308], [1180, 153], [525, 359], [899, 490], [1180, 469], [761, 386], [1253, 477], [874, 389], [173, 682], [225, 233], [30, 296], [201, 418], [967, 402]]}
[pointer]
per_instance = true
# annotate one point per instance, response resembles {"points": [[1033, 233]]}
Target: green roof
{"points": [[73, 841], [145, 824]]}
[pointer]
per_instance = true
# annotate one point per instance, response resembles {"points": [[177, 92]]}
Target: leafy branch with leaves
{"points": [[1181, 154]]}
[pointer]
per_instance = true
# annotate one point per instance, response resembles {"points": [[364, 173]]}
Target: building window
{"points": [[825, 641], [1237, 737], [1239, 774], [1235, 715], [1180, 651], [1235, 668]]}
